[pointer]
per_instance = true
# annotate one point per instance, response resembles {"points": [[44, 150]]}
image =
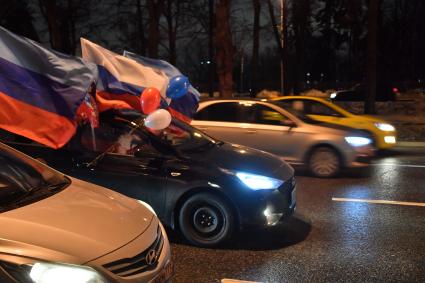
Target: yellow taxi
{"points": [[382, 132]]}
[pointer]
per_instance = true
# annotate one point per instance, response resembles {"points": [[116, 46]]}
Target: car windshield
{"points": [[23, 180], [186, 138], [124, 133], [180, 136]]}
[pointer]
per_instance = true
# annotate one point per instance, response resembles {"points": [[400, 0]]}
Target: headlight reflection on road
{"points": [[389, 173], [354, 219]]}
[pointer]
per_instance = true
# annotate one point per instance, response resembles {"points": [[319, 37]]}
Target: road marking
{"points": [[398, 165], [380, 201], [226, 280]]}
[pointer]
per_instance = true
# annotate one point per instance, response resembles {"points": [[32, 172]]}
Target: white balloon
{"points": [[158, 120]]}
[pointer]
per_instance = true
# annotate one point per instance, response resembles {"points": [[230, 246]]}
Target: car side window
{"points": [[317, 108], [268, 116], [115, 138], [310, 107], [246, 112], [222, 112], [296, 104]]}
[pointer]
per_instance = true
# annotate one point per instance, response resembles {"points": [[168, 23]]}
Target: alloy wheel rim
{"points": [[324, 163], [206, 220]]}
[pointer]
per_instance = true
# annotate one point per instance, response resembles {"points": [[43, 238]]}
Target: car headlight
{"points": [[258, 182], [147, 206], [55, 272], [333, 95], [385, 127], [358, 141]]}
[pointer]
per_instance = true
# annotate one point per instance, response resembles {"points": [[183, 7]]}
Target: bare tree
{"points": [[155, 8], [255, 46], [140, 29], [301, 26], [17, 17], [224, 48], [372, 33], [49, 11]]}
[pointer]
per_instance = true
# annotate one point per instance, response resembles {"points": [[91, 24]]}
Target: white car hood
{"points": [[76, 225]]}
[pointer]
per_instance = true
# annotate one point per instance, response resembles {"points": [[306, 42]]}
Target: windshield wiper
{"points": [[48, 188], [98, 158]]}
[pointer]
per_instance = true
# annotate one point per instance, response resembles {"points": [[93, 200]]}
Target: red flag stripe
{"points": [[30, 121]]}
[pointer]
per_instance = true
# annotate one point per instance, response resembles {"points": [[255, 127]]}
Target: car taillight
{"points": [[395, 89]]}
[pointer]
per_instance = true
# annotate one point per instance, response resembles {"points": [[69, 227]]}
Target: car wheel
{"points": [[206, 220], [324, 162]]}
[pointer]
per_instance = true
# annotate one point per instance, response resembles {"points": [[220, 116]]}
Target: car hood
{"points": [[372, 119], [236, 157], [76, 225]]}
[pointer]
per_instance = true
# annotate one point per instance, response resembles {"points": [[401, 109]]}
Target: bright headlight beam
{"points": [[385, 127], [259, 182], [358, 141], [53, 273], [333, 95]]}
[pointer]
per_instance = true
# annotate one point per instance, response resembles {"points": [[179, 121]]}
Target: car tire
{"points": [[206, 220], [324, 162]]}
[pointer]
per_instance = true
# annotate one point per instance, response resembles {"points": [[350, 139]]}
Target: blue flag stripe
{"points": [[39, 91], [110, 84]]}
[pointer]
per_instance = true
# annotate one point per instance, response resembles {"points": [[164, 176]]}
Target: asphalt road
{"points": [[328, 240]]}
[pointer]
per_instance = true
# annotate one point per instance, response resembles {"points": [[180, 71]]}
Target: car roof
{"points": [[233, 99], [284, 110], [289, 97]]}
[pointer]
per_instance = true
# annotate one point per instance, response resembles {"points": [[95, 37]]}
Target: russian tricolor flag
{"points": [[40, 90], [121, 79], [184, 107]]}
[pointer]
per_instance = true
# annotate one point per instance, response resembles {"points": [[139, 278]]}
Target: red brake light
{"points": [[395, 89]]}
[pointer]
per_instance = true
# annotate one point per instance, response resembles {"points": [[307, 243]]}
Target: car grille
{"points": [[140, 263]]}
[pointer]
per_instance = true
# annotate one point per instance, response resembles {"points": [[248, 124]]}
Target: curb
{"points": [[410, 144]]}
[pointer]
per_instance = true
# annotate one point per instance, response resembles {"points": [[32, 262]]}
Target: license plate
{"points": [[293, 197], [166, 273]]}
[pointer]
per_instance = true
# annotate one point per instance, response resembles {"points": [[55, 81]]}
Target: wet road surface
{"points": [[327, 240]]}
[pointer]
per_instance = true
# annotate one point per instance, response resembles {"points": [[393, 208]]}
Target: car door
{"points": [[121, 158], [273, 131]]}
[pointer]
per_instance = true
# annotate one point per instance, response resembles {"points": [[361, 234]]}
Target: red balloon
{"points": [[150, 100]]}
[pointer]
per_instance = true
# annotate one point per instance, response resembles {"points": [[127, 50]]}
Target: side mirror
{"points": [[288, 123]]}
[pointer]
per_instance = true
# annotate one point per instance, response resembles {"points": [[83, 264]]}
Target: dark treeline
{"points": [[235, 45]]}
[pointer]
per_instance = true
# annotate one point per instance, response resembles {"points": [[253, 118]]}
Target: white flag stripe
{"points": [[124, 69]]}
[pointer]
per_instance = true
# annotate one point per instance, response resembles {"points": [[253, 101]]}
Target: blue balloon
{"points": [[177, 87]]}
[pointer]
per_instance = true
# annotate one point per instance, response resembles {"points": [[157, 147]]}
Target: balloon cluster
{"points": [[150, 100]]}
